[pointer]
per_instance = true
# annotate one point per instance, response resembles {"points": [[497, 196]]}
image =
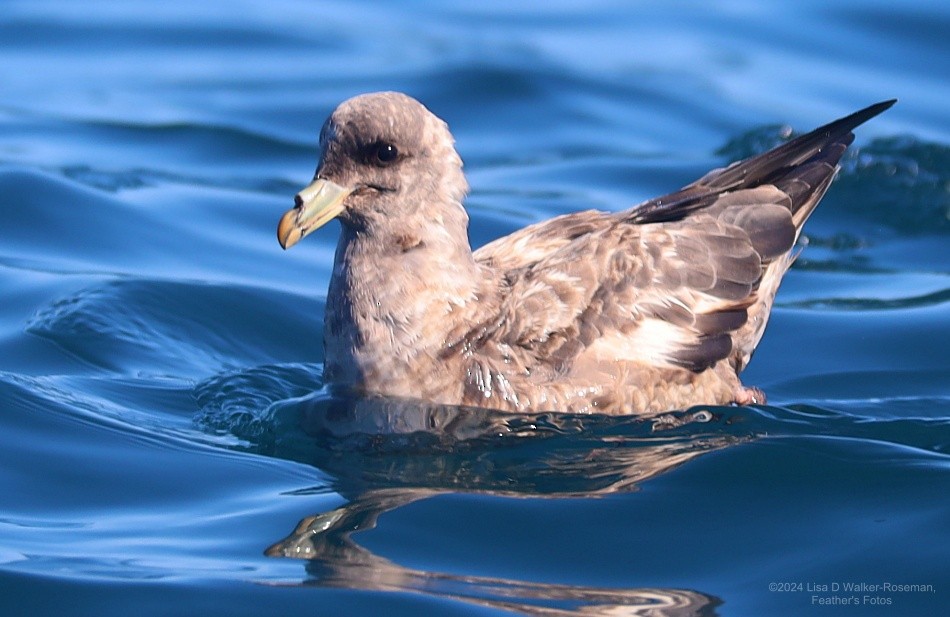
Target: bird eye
{"points": [[386, 154]]}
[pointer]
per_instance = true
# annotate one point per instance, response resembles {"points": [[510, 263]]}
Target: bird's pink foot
{"points": [[750, 396]]}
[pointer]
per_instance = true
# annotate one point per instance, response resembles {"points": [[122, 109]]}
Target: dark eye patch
{"points": [[381, 154]]}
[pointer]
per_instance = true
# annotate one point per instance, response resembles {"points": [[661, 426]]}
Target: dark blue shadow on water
{"points": [[383, 455]]}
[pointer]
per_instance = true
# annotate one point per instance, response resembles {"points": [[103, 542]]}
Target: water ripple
{"points": [[136, 326]]}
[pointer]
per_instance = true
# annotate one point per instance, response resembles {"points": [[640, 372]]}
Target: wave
{"points": [[178, 328]]}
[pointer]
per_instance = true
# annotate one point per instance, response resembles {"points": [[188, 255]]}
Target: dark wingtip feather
{"points": [[757, 169], [848, 123]]}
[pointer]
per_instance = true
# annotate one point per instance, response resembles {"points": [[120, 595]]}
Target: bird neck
{"points": [[393, 295]]}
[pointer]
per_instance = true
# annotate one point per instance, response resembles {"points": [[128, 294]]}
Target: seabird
{"points": [[645, 310]]}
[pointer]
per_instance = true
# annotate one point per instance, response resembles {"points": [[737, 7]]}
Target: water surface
{"points": [[166, 442]]}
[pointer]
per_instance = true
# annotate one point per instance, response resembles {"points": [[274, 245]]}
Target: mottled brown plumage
{"points": [[653, 308]]}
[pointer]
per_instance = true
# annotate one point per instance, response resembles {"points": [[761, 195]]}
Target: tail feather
{"points": [[802, 169], [825, 144], [820, 144], [763, 201]]}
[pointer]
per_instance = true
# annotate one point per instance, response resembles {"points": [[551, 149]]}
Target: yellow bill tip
{"points": [[288, 232]]}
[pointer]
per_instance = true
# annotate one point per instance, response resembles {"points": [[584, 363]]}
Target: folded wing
{"points": [[685, 280]]}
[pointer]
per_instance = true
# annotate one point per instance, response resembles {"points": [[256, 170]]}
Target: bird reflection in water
{"points": [[383, 454]]}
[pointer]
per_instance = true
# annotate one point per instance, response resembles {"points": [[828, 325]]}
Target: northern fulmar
{"points": [[650, 309]]}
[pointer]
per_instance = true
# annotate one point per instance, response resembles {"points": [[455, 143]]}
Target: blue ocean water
{"points": [[167, 447]]}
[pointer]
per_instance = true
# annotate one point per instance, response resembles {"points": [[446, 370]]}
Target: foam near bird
{"points": [[653, 308]]}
